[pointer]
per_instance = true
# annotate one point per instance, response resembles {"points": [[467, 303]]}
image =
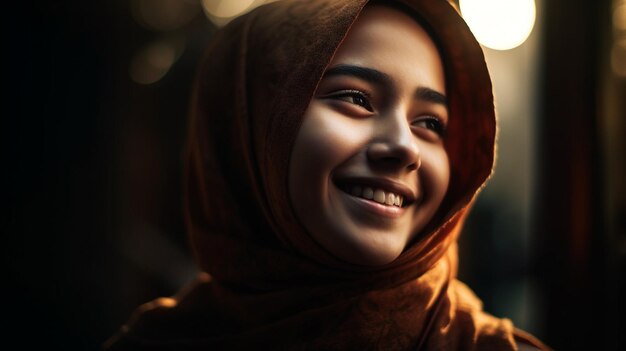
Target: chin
{"points": [[379, 259], [374, 259], [372, 253]]}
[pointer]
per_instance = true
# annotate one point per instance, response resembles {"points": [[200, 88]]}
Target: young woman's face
{"points": [[368, 168]]}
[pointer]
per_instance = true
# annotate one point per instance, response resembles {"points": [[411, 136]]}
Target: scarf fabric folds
{"points": [[269, 284]]}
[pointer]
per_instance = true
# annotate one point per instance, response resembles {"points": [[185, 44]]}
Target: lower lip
{"points": [[375, 207]]}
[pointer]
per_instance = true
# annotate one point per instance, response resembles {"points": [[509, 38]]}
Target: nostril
{"points": [[396, 156], [391, 160]]}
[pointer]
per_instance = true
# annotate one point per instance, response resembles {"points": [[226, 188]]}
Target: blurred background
{"points": [[97, 102]]}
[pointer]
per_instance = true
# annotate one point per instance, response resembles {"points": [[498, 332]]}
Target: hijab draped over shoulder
{"points": [[268, 284]]}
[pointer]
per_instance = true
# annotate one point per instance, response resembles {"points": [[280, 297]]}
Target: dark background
{"points": [[92, 217]]}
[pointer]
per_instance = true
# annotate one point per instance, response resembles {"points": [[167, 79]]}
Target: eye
{"points": [[431, 123], [354, 97]]}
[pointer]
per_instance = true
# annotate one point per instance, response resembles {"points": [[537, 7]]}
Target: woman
{"points": [[334, 151]]}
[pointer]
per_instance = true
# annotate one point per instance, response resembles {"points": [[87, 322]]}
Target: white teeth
{"points": [[390, 199], [379, 196], [368, 193]]}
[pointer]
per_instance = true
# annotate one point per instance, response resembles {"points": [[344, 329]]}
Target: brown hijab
{"points": [[269, 284]]}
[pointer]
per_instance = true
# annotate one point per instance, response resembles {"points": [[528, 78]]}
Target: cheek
{"points": [[436, 172], [434, 177], [325, 140]]}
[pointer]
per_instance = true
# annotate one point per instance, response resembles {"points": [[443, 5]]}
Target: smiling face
{"points": [[368, 168]]}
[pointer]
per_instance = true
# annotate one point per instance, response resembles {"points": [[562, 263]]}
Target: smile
{"points": [[382, 197], [377, 191]]}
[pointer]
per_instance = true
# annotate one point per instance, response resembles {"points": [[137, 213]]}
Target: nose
{"points": [[394, 144]]}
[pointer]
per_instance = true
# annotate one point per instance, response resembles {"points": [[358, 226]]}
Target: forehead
{"points": [[393, 42]]}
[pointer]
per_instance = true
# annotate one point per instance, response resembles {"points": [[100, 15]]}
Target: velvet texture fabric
{"points": [[269, 285]]}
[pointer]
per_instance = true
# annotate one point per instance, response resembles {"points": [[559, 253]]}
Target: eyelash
{"points": [[432, 123], [355, 94]]}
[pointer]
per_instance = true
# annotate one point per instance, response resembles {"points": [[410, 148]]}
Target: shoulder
{"points": [[165, 319], [487, 327]]}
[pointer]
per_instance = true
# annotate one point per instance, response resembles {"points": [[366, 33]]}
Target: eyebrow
{"points": [[377, 77], [430, 95], [367, 74]]}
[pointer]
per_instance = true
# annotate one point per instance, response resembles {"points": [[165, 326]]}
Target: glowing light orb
{"points": [[226, 8], [500, 24], [619, 15]]}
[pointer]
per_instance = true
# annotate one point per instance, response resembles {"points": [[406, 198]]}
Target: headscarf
{"points": [[269, 284]]}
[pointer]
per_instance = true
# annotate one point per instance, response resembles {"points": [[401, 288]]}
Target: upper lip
{"points": [[386, 184]]}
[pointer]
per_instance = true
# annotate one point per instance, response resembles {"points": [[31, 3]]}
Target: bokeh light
{"points": [[619, 15], [164, 15], [152, 62], [500, 24], [618, 57], [225, 8]]}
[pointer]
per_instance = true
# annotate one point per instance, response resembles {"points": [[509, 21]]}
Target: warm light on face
{"points": [[499, 24], [373, 132]]}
